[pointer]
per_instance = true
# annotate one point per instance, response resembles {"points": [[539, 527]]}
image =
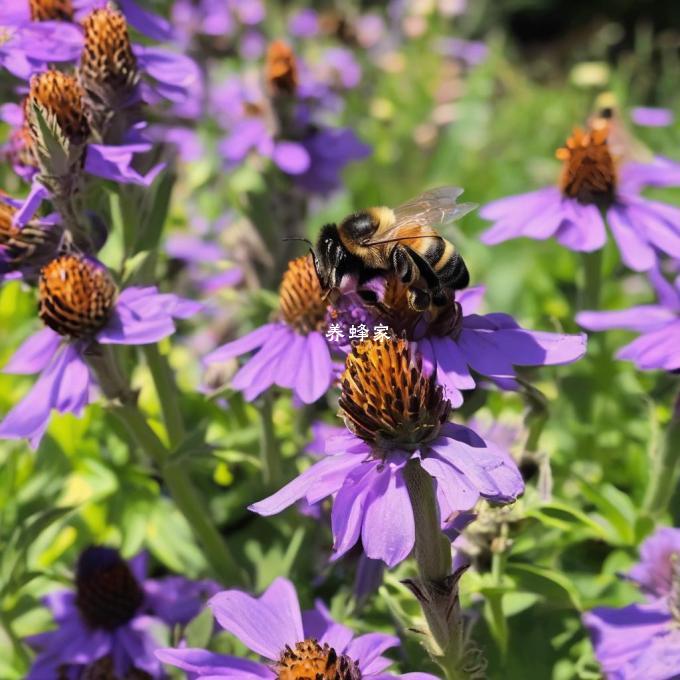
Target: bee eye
{"points": [[359, 226]]}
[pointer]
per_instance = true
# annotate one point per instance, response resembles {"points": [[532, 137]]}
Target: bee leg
{"points": [[419, 299], [440, 298], [403, 265]]}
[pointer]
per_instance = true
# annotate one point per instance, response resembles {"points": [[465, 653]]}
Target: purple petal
{"points": [[63, 386], [539, 348], [175, 74], [470, 299], [315, 369], [115, 163], [642, 319], [651, 116], [265, 625], [31, 203], [366, 649], [349, 507], [455, 491], [388, 531], [34, 354], [635, 251], [323, 478], [658, 349], [319, 624], [253, 340], [654, 574], [291, 157], [151, 25], [205, 663]]}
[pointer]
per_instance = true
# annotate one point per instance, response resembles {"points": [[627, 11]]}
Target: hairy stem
{"points": [[269, 450], [664, 469], [589, 295], [166, 389]]}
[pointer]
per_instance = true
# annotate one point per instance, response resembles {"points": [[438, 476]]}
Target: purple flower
{"points": [[658, 344], [273, 627], [572, 213], [292, 351], [643, 640], [397, 416], [78, 325], [330, 150], [304, 23], [115, 619], [651, 116]]}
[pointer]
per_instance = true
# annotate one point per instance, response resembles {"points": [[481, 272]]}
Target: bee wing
{"points": [[419, 216]]}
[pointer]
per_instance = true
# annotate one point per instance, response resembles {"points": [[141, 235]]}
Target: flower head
{"points": [[296, 644], [589, 170], [61, 96], [82, 311], [24, 250], [108, 66], [396, 415], [112, 622], [643, 640], [292, 351], [589, 187], [51, 10]]}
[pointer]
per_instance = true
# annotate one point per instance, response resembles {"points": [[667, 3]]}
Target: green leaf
{"points": [[152, 229], [554, 586], [199, 630]]}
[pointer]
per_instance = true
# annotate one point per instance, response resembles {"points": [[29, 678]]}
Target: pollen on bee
{"points": [[76, 295], [589, 169], [51, 10], [281, 68], [60, 94]]}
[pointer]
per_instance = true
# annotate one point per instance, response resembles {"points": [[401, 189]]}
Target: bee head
{"points": [[359, 227]]}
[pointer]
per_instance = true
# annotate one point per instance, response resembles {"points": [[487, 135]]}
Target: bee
{"points": [[403, 241], [623, 144]]}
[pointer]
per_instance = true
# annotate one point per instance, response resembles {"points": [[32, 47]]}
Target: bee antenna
{"points": [[297, 238]]}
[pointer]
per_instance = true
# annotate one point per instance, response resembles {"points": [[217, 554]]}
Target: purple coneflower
{"points": [[643, 640], [573, 212], [396, 415], [115, 620], [82, 309], [292, 351], [457, 343], [296, 644], [658, 345]]}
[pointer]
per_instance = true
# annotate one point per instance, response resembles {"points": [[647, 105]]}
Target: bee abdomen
{"points": [[451, 269]]}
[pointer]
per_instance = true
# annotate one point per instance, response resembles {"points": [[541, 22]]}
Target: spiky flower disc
{"points": [[60, 95], [30, 245], [108, 67], [311, 661], [589, 170], [301, 302], [108, 594], [77, 295], [51, 10], [387, 399], [281, 68]]}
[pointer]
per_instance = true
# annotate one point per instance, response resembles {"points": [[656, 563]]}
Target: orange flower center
{"points": [[589, 169], [107, 58], [301, 301], [387, 399], [281, 70], [76, 295], [49, 10], [310, 661], [60, 95]]}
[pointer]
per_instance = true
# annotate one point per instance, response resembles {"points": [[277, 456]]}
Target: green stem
{"points": [[432, 550], [166, 389], [269, 450], [184, 494], [664, 469], [589, 297], [187, 499], [17, 644]]}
